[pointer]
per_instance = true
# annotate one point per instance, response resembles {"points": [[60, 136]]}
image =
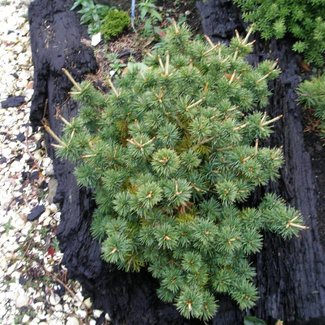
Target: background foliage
{"points": [[312, 95], [114, 23], [101, 18], [304, 19]]}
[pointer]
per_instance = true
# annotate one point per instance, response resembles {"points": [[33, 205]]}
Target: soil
{"points": [[136, 44], [290, 274]]}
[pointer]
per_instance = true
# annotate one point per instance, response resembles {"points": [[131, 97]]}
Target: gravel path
{"points": [[34, 288]]}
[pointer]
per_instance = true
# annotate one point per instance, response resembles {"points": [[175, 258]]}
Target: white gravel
{"points": [[34, 288]]}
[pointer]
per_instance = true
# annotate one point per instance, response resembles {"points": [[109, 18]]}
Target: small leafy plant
{"points": [[312, 95], [114, 23], [149, 15], [304, 19], [115, 64], [91, 14], [172, 155]]}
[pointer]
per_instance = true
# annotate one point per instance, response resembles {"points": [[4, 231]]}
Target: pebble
{"points": [[81, 313], [58, 308], [25, 319], [54, 299], [22, 300], [88, 303], [36, 213], [96, 39], [72, 321], [97, 313], [49, 171]]}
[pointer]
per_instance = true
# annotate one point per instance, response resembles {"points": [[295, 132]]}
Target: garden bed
{"points": [[290, 274]]}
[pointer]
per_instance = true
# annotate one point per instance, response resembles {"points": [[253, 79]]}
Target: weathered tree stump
{"points": [[290, 274]]}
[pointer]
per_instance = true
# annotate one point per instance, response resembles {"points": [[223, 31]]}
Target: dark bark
{"points": [[290, 275]]}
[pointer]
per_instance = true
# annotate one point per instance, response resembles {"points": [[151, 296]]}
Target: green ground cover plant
{"points": [[101, 18], [304, 19], [114, 23], [172, 155]]}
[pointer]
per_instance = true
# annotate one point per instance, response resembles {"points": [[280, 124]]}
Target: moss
{"points": [[115, 22]]}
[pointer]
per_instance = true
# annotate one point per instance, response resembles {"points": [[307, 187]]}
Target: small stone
{"points": [[12, 145], [48, 268], [66, 307], [95, 39], [13, 101], [16, 166], [15, 275], [37, 238], [36, 212], [18, 223], [97, 313], [11, 269], [46, 221], [81, 313], [23, 59], [49, 171], [22, 300], [34, 176], [88, 303], [19, 21], [58, 308], [53, 185], [25, 319], [46, 162], [6, 152], [29, 94], [54, 299], [20, 137], [21, 84], [57, 216], [72, 321], [18, 48], [24, 75], [26, 229]]}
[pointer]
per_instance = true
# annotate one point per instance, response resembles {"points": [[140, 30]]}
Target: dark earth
{"points": [[290, 274]]}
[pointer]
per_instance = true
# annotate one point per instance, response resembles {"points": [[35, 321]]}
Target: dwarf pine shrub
{"points": [[304, 19], [172, 155]]}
